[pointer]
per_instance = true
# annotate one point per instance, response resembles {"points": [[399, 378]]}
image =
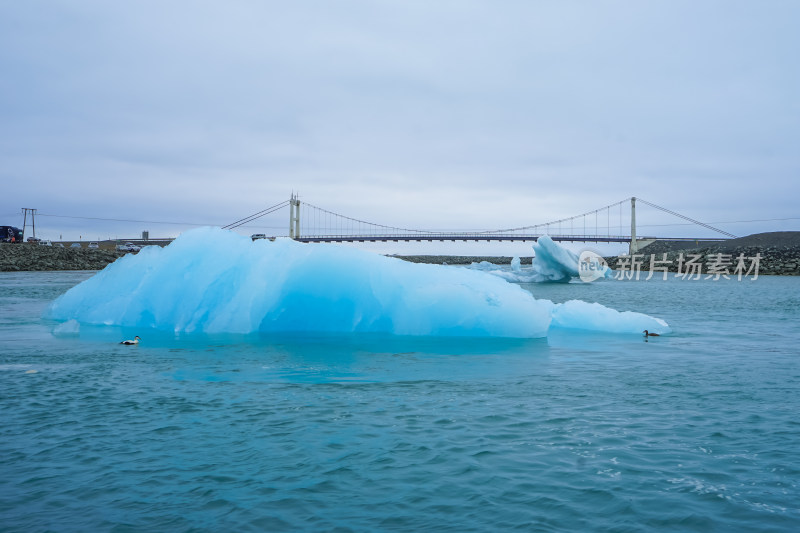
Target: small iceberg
{"points": [[551, 264], [577, 314]]}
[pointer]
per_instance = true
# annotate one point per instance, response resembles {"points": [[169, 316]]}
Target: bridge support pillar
{"points": [[291, 217], [634, 247], [294, 217]]}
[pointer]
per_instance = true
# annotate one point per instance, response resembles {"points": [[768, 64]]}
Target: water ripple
{"points": [[688, 434]]}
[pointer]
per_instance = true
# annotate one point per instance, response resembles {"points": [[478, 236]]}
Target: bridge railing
{"points": [[477, 237]]}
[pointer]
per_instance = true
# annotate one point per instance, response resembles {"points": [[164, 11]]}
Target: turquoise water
{"points": [[695, 431]]}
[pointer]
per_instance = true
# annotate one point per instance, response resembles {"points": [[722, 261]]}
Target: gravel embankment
{"points": [[779, 254], [19, 257], [459, 259]]}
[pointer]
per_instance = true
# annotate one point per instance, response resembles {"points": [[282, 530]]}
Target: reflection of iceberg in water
{"points": [[210, 280], [552, 263]]}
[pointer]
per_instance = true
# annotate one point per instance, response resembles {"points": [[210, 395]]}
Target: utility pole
{"points": [[634, 245], [25, 211]]}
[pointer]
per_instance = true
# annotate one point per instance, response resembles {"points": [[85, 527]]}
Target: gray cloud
{"points": [[446, 114]]}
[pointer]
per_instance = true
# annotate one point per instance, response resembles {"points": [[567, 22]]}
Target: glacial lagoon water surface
{"points": [[697, 430]]}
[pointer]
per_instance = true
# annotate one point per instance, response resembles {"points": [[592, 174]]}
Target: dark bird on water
{"points": [[646, 334], [135, 340]]}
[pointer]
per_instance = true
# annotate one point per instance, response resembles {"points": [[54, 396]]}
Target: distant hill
{"points": [[773, 239]]}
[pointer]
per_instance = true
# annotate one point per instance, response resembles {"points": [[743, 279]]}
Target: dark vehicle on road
{"points": [[10, 234]]}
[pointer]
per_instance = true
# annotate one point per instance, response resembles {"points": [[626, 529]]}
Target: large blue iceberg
{"points": [[213, 281]]}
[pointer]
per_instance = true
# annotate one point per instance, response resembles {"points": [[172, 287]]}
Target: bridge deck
{"points": [[442, 237]]}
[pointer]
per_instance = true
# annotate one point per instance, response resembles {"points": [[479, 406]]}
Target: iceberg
{"points": [[484, 266], [577, 314], [551, 263], [214, 281]]}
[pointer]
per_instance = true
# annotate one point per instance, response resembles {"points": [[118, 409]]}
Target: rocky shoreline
{"points": [[31, 257], [711, 260], [776, 254], [459, 259]]}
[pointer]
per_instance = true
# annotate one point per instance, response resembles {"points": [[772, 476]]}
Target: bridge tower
{"points": [[294, 217], [634, 245]]}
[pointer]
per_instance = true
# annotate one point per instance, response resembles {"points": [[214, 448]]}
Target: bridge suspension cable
{"points": [[359, 222], [318, 224], [688, 218], [255, 216], [571, 220]]}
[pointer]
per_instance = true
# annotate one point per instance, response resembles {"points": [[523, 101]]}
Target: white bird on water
{"points": [[135, 340]]}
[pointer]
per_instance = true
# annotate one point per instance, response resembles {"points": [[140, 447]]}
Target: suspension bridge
{"points": [[613, 223]]}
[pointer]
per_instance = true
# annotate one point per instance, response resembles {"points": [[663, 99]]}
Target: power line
{"points": [[129, 220]]}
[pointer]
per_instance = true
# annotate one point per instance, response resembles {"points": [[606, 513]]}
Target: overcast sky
{"points": [[428, 114]]}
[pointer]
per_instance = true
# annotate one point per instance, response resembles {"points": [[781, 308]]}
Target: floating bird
{"points": [[646, 334], [135, 340]]}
